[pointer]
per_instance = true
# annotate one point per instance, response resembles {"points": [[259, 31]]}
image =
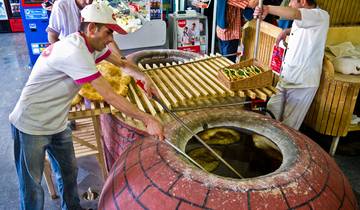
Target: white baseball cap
{"points": [[100, 12]]}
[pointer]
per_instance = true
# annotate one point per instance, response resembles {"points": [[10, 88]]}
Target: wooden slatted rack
{"points": [[192, 84], [85, 110], [189, 84]]}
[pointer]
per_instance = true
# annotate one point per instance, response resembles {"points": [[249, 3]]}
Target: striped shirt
{"points": [[233, 19]]}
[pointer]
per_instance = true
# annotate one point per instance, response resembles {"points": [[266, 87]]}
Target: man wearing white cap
{"points": [[39, 119], [65, 19]]}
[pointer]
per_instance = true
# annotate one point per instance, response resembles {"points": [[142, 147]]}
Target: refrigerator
{"points": [[10, 18], [188, 31], [4, 20], [14, 15]]}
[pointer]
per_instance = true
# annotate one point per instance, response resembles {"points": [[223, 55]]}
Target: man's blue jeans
{"points": [[29, 151], [229, 47]]}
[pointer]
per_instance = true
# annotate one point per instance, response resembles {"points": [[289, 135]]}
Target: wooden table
{"points": [[331, 110]]}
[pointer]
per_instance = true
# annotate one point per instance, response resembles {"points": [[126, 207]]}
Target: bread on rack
{"points": [[76, 100], [113, 74]]}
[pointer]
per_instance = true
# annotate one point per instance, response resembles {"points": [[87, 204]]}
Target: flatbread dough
{"points": [[205, 158], [76, 100], [220, 136], [113, 74]]}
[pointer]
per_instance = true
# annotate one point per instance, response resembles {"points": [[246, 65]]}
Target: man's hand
{"points": [[149, 87], [282, 36], [253, 3], [261, 12], [154, 127], [134, 71]]}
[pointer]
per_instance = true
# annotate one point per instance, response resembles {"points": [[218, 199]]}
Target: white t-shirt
{"points": [[64, 18], [54, 81], [302, 65]]}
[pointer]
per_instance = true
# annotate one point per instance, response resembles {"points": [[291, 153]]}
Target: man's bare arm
{"points": [[284, 12], [114, 48], [153, 126], [53, 37], [128, 67]]}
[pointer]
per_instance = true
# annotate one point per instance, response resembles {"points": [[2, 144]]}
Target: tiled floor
{"points": [[14, 73]]}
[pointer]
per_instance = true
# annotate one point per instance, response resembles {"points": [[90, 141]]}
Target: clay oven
{"points": [[151, 175]]}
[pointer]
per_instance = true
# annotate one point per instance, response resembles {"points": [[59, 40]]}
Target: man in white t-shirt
{"points": [[65, 19], [302, 66], [39, 119]]}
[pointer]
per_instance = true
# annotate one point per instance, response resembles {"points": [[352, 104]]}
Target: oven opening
{"points": [[249, 153]]}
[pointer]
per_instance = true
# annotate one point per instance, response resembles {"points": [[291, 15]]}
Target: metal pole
{"points": [[211, 106], [182, 5], [214, 28], [177, 2], [258, 21], [185, 155], [197, 137]]}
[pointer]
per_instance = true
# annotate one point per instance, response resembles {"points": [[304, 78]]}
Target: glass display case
{"points": [[139, 18], [132, 14]]}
